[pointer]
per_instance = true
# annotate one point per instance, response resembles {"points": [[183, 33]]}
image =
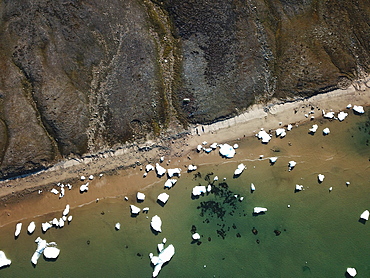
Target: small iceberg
{"points": [[140, 196], [31, 227], [298, 187], [264, 136], [4, 261], [253, 188], [227, 151], [321, 178], [164, 256], [163, 197], [257, 210], [54, 191], [46, 226], [192, 168], [326, 131], [160, 170], [329, 115], [195, 236], [149, 168], [18, 229], [117, 226], [198, 190], [273, 159], [235, 146], [83, 178], [365, 215], [314, 128], [169, 183], [91, 177], [134, 209], [51, 252], [41, 245], [174, 172], [199, 148], [358, 109], [342, 115], [291, 165], [213, 146], [156, 223], [66, 210], [280, 132], [351, 271], [84, 188], [239, 170], [289, 127]]}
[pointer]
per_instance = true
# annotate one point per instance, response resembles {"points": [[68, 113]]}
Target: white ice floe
{"points": [[264, 136], [146, 209], [198, 190], [280, 132], [160, 247], [213, 146], [51, 252], [64, 218], [330, 189], [227, 151], [289, 127], [46, 226], [83, 178], [149, 168], [66, 210], [192, 167], [55, 191], [55, 222], [209, 188], [4, 261], [365, 215], [196, 236], [207, 150], [117, 226], [351, 271], [342, 115], [169, 183], [259, 209], [91, 177], [273, 159], [134, 209], [140, 196], [160, 170], [163, 197], [215, 178], [298, 187], [61, 222], [240, 169], [329, 115], [41, 245], [326, 131], [164, 256], [320, 177], [349, 106], [69, 219], [156, 223], [31, 227], [291, 165], [314, 128], [84, 187], [18, 229], [174, 172], [199, 148], [235, 146], [253, 187], [204, 142], [359, 109]]}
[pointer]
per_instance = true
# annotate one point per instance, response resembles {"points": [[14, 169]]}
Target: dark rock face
{"points": [[81, 76]]}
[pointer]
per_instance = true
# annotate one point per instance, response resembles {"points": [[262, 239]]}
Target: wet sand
{"points": [[122, 174]]}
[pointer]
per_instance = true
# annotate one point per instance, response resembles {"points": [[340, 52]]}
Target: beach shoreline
{"points": [[178, 148]]}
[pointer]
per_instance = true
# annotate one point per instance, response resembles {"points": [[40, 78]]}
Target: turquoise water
{"points": [[320, 232]]}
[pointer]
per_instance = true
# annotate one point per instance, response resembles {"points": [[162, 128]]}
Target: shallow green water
{"points": [[320, 232]]}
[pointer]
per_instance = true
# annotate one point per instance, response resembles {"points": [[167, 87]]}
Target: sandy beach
{"points": [[20, 198]]}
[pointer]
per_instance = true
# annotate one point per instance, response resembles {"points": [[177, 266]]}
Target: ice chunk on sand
{"points": [[66, 210], [289, 127], [349, 106], [196, 236], [320, 177], [91, 177], [55, 191], [140, 196], [199, 148], [264, 136], [326, 131], [62, 190], [198, 190], [213, 146], [235, 146], [342, 115], [240, 169], [149, 168], [46, 226], [51, 252], [83, 178], [156, 223], [18, 229], [41, 245], [134, 209], [298, 187], [365, 215], [314, 128], [173, 172], [351, 271], [31, 227], [329, 115], [163, 197], [4, 261], [192, 168], [160, 170], [273, 159], [291, 165], [61, 222], [359, 109], [280, 132], [55, 222], [84, 187], [69, 219], [259, 209], [117, 226], [227, 151], [161, 259], [169, 183]]}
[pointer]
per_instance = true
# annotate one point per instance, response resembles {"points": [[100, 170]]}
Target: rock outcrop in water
{"points": [[81, 76]]}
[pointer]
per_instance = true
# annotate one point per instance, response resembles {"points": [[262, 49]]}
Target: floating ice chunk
{"points": [[169, 183], [56, 192], [348, 183], [69, 219], [196, 236], [64, 218], [140, 196], [239, 170], [264, 136], [298, 187], [259, 209], [215, 178], [192, 168], [83, 178], [160, 247], [314, 128], [46, 226], [351, 271], [4, 261], [227, 151], [66, 210], [329, 115], [321, 178], [342, 115], [146, 209], [156, 223], [51, 252], [163, 197], [241, 199], [41, 245], [55, 222], [253, 187], [358, 109], [235, 146], [61, 222], [31, 227], [149, 168], [160, 170], [18, 229], [365, 215], [289, 127], [326, 131], [199, 148], [291, 165], [117, 226], [330, 188], [280, 132], [198, 190], [84, 187], [134, 209], [162, 258], [174, 172], [213, 146], [209, 188], [273, 159]]}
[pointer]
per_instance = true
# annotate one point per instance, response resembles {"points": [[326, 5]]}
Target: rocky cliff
{"points": [[81, 76]]}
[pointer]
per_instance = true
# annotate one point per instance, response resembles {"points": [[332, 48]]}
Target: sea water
{"points": [[318, 235]]}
